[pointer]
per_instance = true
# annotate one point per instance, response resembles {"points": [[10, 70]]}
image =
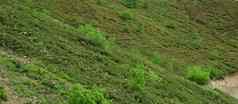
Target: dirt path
{"points": [[228, 85]]}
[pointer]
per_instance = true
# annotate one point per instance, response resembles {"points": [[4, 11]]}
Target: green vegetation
{"points": [[157, 59], [48, 46], [137, 77], [215, 73], [202, 75], [130, 3], [95, 36], [198, 74], [3, 96], [126, 15], [80, 95]]}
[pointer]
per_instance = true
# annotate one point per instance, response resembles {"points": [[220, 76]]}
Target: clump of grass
{"points": [[129, 3], [198, 74], [80, 95], [137, 77], [215, 73], [3, 95], [126, 15], [156, 59], [8, 63], [163, 4], [193, 40], [95, 36]]}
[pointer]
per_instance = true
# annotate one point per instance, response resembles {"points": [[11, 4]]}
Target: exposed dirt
{"points": [[228, 85]]}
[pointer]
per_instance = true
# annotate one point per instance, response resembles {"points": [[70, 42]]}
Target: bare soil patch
{"points": [[228, 85]]}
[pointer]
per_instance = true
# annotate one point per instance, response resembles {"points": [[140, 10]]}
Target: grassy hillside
{"points": [[114, 52]]}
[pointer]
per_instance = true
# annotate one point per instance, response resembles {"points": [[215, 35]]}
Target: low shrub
{"points": [[95, 36], [8, 63], [198, 74], [156, 59], [3, 95], [194, 40], [215, 73], [126, 15], [137, 77], [164, 6], [80, 95]]}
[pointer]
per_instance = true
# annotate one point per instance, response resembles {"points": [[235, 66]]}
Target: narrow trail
{"points": [[228, 85]]}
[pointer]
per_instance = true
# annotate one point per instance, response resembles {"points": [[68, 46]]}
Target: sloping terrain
{"points": [[49, 46], [228, 85]]}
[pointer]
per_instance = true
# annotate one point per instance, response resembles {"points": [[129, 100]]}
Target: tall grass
{"points": [[198, 74], [137, 77], [80, 95], [3, 95], [130, 3], [95, 36]]}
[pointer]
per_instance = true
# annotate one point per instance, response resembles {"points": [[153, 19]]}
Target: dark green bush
{"points": [[80, 95], [198, 74]]}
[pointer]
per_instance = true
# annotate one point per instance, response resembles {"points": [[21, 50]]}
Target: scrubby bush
{"points": [[3, 96], [80, 95], [8, 63], [215, 73], [156, 59], [137, 77], [164, 5], [95, 36], [126, 15], [198, 74]]}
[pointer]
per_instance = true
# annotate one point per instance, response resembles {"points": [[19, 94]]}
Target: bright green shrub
{"points": [[137, 77], [3, 95], [198, 74], [95, 36], [80, 95]]}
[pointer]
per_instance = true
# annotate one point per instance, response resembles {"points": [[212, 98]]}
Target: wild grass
{"points": [[54, 38], [95, 36], [80, 95], [215, 73], [157, 59], [126, 15], [3, 95], [198, 74], [130, 3], [137, 77]]}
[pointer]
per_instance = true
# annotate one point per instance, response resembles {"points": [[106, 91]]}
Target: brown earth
{"points": [[228, 85]]}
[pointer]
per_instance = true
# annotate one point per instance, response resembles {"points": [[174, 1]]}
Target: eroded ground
{"points": [[228, 85]]}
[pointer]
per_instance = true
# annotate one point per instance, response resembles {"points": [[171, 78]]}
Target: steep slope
{"points": [[192, 32], [47, 48]]}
